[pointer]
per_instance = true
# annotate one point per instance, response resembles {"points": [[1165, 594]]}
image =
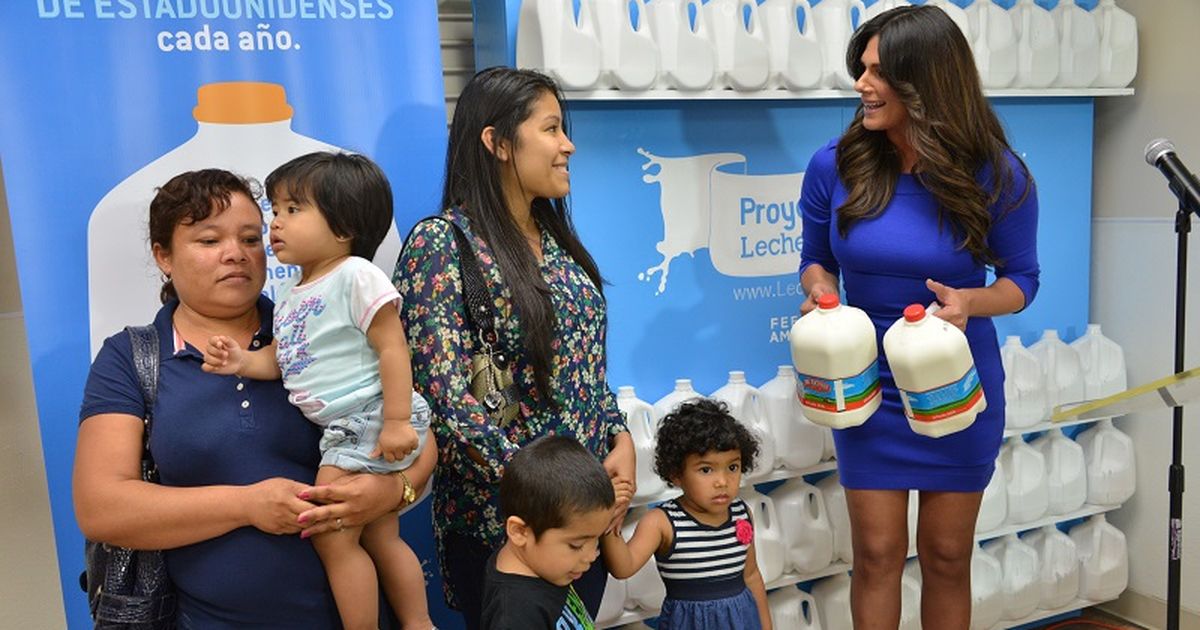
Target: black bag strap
{"points": [[481, 314], [144, 340]]}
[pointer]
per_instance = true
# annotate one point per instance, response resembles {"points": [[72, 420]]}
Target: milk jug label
{"points": [[943, 402], [845, 394]]}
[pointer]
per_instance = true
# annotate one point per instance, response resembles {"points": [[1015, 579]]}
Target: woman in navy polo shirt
{"points": [[234, 457]]}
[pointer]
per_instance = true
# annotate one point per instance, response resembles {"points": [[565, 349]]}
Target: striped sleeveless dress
{"points": [[703, 572]]}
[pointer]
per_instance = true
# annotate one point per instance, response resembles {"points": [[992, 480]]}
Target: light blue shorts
{"points": [[349, 440]]}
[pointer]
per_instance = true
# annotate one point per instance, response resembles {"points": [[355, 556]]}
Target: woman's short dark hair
{"points": [[696, 427], [349, 190], [189, 198], [551, 479], [503, 98]]}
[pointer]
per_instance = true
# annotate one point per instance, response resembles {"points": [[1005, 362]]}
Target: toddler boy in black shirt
{"points": [[557, 501]]}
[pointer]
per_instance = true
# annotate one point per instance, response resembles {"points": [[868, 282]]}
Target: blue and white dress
{"points": [[703, 571]]}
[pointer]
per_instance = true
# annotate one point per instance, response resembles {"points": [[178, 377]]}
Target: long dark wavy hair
{"points": [[925, 58], [503, 98]]}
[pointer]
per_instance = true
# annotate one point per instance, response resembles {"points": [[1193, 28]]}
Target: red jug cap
{"points": [[914, 312], [827, 301]]}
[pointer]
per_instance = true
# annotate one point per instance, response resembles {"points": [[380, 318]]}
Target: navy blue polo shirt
{"points": [[214, 430]]}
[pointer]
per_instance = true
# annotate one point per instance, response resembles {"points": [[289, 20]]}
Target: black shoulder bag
{"points": [[491, 374], [129, 588]]}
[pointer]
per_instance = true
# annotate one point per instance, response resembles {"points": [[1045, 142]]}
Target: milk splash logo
{"points": [[750, 224]]}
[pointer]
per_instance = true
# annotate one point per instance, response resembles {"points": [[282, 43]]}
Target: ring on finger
{"points": [[338, 520]]}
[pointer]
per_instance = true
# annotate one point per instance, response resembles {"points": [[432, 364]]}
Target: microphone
{"points": [[1160, 154]]}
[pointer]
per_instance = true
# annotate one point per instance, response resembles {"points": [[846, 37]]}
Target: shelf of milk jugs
{"points": [[690, 46]]}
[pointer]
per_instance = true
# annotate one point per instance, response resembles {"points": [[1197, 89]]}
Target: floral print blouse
{"points": [[466, 495]]}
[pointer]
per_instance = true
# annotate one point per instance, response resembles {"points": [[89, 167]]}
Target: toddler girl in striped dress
{"points": [[703, 540]]}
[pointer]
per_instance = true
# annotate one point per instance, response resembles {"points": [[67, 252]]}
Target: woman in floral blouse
{"points": [[506, 177]]}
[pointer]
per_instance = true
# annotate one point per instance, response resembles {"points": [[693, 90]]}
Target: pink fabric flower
{"points": [[745, 531]]}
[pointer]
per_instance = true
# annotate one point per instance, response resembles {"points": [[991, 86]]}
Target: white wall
{"points": [[30, 592], [1133, 285]]}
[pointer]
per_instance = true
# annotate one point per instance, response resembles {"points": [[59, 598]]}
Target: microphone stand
{"points": [[1183, 227]]}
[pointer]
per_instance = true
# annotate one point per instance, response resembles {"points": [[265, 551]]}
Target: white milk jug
{"points": [[910, 598], [1025, 481], [1079, 45], [914, 508], [1037, 45], [835, 24], [768, 535], [795, 53], [793, 608], [830, 450], [987, 590], [956, 13], [994, 43], [1118, 45], [1019, 565], [798, 442], [993, 509], [834, 351], [241, 126], [643, 428], [1066, 471], [745, 404], [935, 373], [1058, 573], [883, 5], [686, 58], [838, 513], [743, 62], [551, 39], [1060, 367], [612, 605], [1103, 363], [683, 392], [628, 55], [806, 529], [1111, 466], [644, 589], [1103, 559], [1025, 401], [832, 595]]}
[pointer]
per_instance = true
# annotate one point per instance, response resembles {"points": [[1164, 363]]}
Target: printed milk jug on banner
{"points": [[745, 404], [795, 53], [768, 534], [1025, 402], [956, 13], [834, 496], [1061, 368], [1079, 45], [835, 354], [244, 127], [832, 595], [910, 597], [1037, 45], [612, 605], [550, 38], [1103, 363], [793, 609], [643, 428], [934, 371], [644, 589], [835, 24], [1111, 470], [798, 442], [1019, 566], [993, 42]]}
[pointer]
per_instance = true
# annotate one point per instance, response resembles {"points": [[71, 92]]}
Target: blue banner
{"points": [[105, 99]]}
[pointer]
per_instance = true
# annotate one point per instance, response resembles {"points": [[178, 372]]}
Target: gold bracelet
{"points": [[410, 493]]}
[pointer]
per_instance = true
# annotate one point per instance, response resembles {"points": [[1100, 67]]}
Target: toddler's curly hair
{"points": [[696, 427]]}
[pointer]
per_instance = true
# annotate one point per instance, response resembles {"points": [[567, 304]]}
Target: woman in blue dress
{"points": [[915, 203]]}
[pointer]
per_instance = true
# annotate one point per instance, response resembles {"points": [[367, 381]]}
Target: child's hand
{"points": [[397, 439], [223, 356], [624, 490]]}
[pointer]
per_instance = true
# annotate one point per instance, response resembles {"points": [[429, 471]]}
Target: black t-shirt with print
{"points": [[520, 602]]}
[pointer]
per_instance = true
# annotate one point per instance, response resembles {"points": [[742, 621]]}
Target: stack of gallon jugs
{"points": [[753, 45]]}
